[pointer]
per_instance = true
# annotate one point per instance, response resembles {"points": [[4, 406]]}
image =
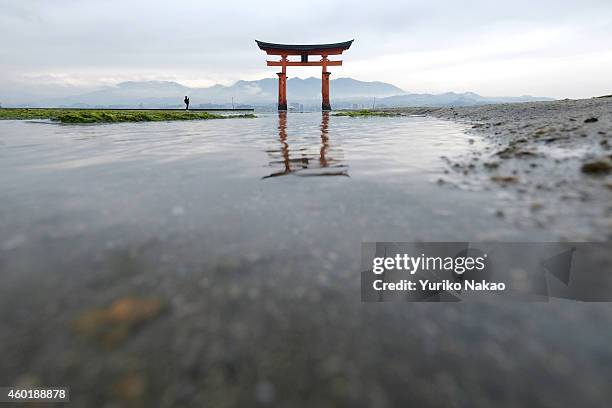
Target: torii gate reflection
{"points": [[301, 162]]}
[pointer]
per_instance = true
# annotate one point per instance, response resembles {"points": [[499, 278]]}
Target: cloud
{"points": [[418, 45]]}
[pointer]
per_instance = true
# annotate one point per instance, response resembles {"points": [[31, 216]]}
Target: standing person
{"points": [[186, 100]]}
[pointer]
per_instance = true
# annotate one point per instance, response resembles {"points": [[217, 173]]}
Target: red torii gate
{"points": [[304, 50]]}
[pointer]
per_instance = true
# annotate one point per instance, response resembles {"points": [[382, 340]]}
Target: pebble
{"points": [[597, 167], [505, 179]]}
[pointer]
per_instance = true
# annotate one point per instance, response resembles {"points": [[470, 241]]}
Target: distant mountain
{"points": [[341, 88], [263, 91], [346, 92], [132, 93]]}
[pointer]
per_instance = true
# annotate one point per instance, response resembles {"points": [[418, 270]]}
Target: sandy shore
{"points": [[552, 160]]}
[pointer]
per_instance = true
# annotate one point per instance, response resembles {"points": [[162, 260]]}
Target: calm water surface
{"points": [[272, 177], [250, 231]]}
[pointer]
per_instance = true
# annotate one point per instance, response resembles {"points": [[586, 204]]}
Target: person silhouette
{"points": [[186, 101]]}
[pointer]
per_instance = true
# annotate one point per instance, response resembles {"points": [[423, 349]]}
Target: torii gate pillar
{"points": [[325, 105], [282, 91]]}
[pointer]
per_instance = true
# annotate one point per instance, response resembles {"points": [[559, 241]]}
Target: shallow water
{"points": [[371, 178], [250, 230]]}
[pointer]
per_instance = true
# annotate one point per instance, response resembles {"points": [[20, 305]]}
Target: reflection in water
{"points": [[303, 160]]}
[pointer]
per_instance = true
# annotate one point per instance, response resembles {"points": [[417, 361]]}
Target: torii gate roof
{"points": [[300, 49]]}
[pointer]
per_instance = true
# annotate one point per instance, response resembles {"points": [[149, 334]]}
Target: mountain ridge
{"points": [[346, 93]]}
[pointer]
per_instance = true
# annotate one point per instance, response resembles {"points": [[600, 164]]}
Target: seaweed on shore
{"points": [[366, 113], [75, 116]]}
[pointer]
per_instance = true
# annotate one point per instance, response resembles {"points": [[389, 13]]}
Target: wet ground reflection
{"points": [[148, 264], [302, 158]]}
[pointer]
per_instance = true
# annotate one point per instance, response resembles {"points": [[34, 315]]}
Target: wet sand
{"points": [[551, 160]]}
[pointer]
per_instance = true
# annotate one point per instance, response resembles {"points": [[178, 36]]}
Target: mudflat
{"points": [[551, 160]]}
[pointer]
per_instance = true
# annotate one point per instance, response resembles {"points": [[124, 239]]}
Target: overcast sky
{"points": [[538, 47]]}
